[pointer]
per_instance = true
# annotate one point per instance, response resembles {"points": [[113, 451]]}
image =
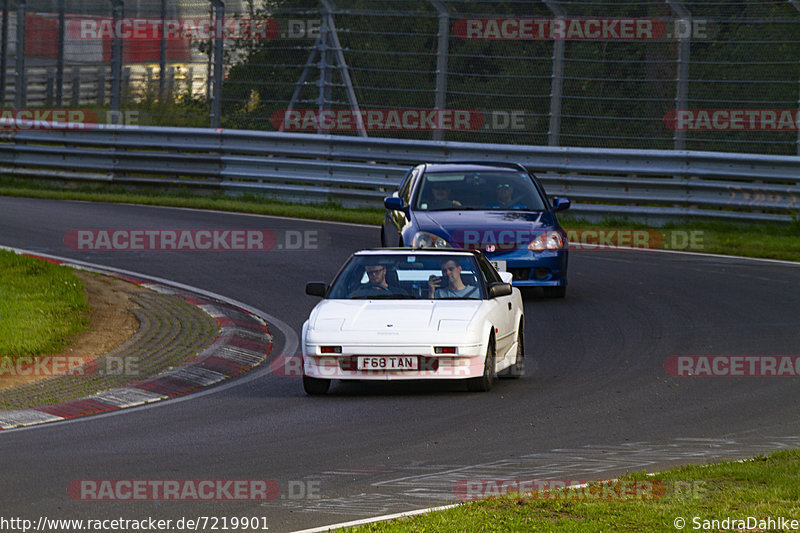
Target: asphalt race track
{"points": [[596, 402]]}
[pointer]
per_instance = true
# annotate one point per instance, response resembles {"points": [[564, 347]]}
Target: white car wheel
{"points": [[516, 369], [484, 382], [316, 386]]}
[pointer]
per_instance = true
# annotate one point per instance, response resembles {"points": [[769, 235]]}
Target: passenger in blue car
{"points": [[505, 198], [455, 286]]}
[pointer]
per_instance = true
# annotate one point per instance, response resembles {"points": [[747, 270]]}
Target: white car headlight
{"points": [[328, 324], [423, 239], [449, 324], [549, 240]]}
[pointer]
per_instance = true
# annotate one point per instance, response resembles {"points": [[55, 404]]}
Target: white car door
{"points": [[501, 313], [504, 320]]}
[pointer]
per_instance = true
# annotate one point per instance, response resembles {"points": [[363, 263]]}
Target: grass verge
{"points": [[764, 240], [184, 197], [748, 494], [42, 306]]}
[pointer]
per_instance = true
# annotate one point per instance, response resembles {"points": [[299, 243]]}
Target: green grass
{"points": [[762, 487], [754, 239], [764, 240], [42, 306], [184, 197]]}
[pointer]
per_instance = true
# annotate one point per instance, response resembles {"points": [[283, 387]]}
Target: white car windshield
{"points": [[412, 276], [484, 190]]}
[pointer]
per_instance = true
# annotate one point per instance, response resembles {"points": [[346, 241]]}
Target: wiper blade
{"points": [[395, 296], [458, 208]]}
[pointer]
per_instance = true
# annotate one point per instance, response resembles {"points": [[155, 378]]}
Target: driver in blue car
{"points": [[505, 198], [441, 197], [455, 285]]}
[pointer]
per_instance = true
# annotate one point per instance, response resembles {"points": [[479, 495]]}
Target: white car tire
{"points": [[517, 367], [484, 383], [316, 386]]}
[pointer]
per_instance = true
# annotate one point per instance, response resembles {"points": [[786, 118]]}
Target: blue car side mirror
{"points": [[394, 203], [560, 203]]}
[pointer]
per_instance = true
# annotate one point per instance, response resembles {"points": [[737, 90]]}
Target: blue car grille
{"points": [[520, 273]]}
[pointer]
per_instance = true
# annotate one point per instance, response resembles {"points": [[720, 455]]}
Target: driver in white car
{"points": [[376, 282]]}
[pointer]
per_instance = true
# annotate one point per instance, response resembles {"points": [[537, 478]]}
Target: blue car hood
{"points": [[485, 227]]}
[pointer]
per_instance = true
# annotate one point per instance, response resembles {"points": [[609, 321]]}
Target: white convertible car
{"points": [[414, 314]]}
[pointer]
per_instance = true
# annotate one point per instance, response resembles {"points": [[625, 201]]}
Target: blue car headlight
{"points": [[423, 239], [549, 240]]}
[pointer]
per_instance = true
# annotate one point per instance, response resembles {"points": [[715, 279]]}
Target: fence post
{"points": [[684, 50], [218, 7], [324, 71], [126, 84], [170, 85], [162, 56], [19, 74], [210, 62], [101, 86], [60, 55], [442, 50], [557, 81], [796, 4], [48, 88], [189, 78], [118, 13], [76, 86], [3, 53]]}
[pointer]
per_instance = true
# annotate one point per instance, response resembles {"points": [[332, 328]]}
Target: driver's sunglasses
{"points": [[504, 187], [375, 270]]}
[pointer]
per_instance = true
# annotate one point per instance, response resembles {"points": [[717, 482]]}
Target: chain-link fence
{"points": [[667, 74]]}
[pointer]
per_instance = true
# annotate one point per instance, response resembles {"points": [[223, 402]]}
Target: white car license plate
{"points": [[388, 363], [499, 265]]}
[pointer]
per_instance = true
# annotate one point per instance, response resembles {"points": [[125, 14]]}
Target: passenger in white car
{"points": [[455, 288]]}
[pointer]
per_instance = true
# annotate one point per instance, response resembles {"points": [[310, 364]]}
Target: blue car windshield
{"points": [[483, 190], [412, 276]]}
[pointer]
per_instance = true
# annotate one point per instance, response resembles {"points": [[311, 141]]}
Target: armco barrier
{"points": [[356, 171]]}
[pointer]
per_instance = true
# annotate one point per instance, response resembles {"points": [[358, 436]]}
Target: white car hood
{"points": [[394, 315]]}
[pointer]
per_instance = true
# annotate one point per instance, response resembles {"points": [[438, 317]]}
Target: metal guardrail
{"points": [[357, 172]]}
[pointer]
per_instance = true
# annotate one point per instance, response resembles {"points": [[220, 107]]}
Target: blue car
{"points": [[498, 208]]}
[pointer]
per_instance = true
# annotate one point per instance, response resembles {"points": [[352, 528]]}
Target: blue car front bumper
{"points": [[534, 269]]}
